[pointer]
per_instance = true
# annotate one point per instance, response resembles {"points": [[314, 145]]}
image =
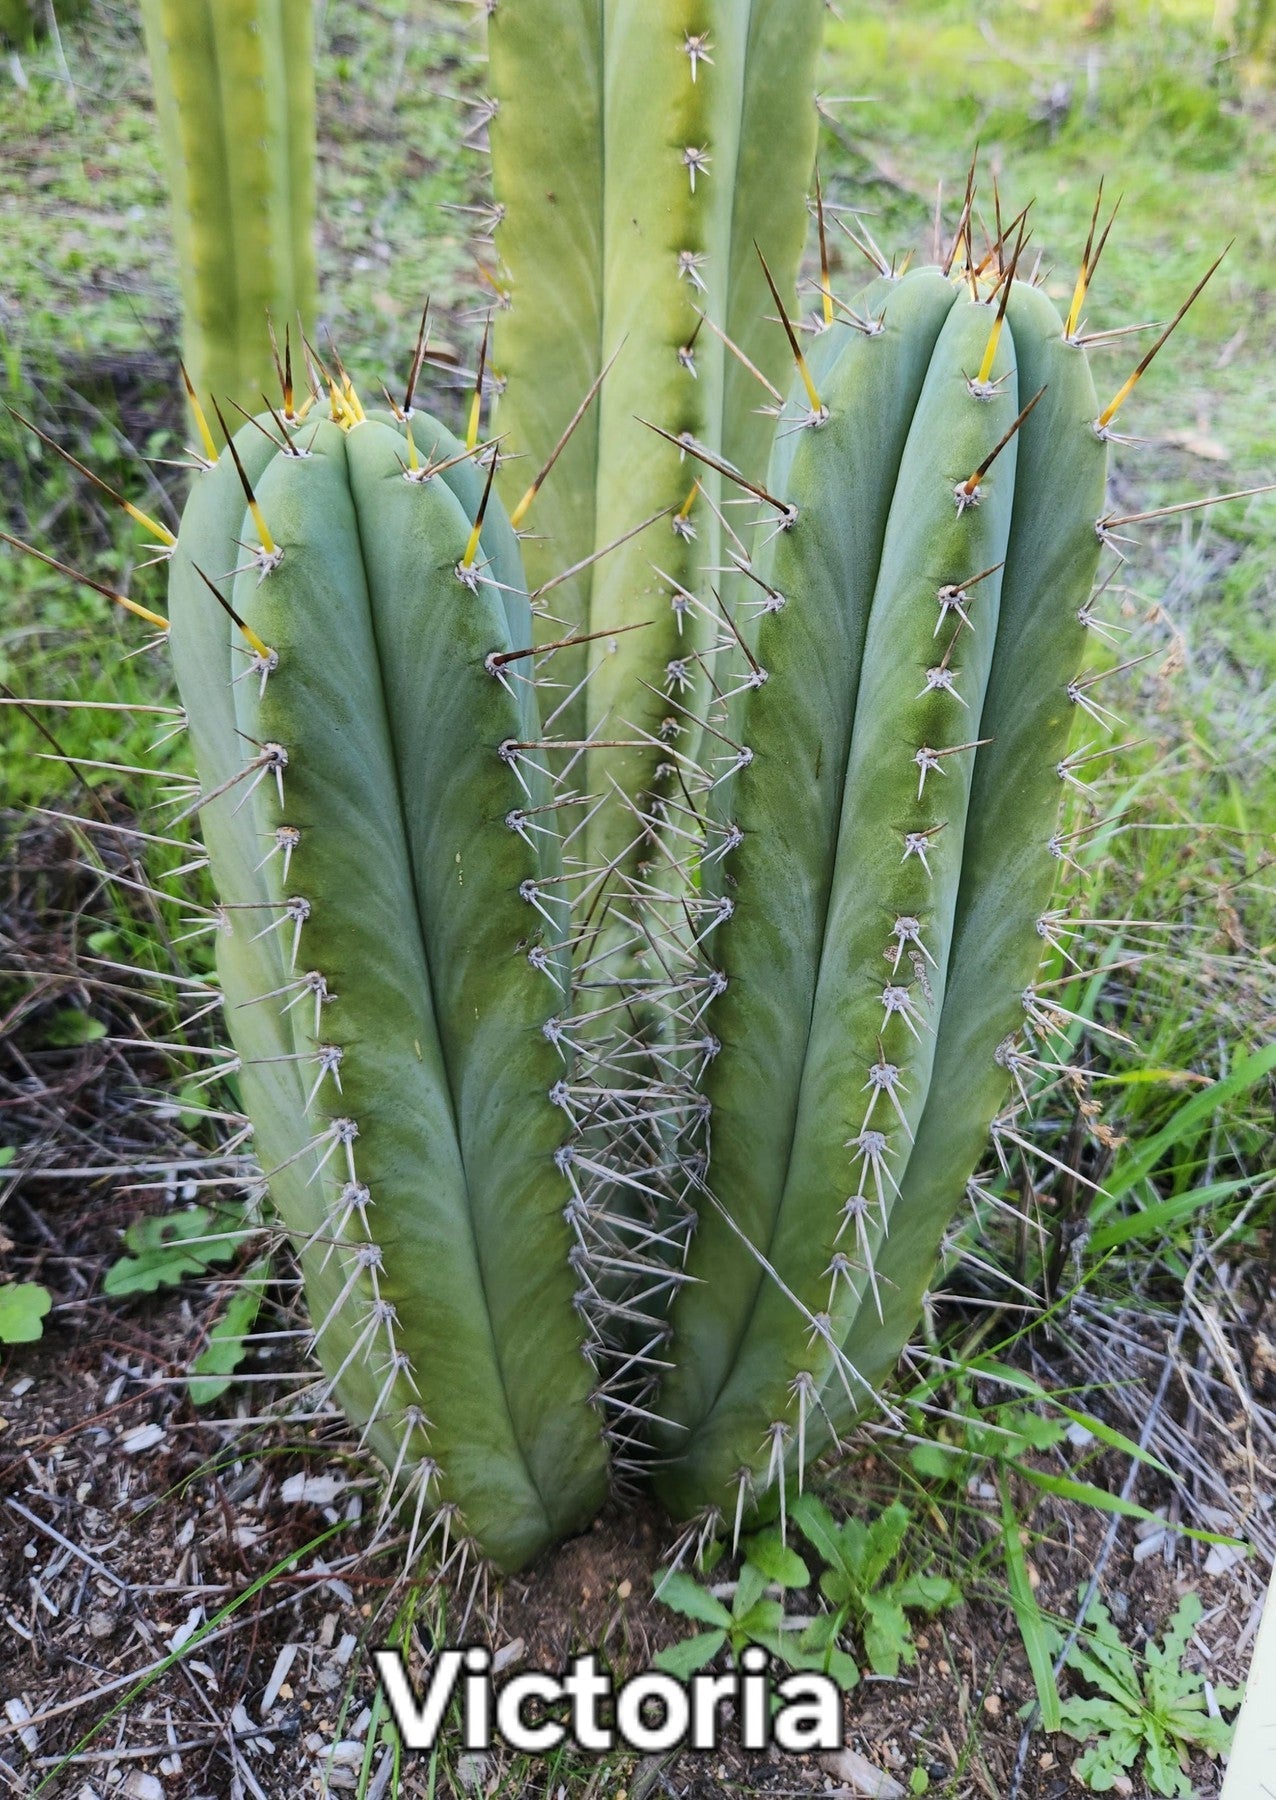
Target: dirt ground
{"points": [[126, 1522]]}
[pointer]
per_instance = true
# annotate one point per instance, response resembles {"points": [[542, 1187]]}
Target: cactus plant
{"points": [[502, 1052], [630, 218], [22, 21], [235, 99], [921, 628], [387, 963]]}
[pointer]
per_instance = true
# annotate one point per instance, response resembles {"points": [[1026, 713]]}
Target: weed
{"points": [[166, 1250], [1155, 1715], [23, 1306], [866, 1599]]}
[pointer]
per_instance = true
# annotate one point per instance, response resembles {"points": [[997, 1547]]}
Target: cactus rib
{"points": [[419, 1179], [895, 768], [234, 94], [690, 135]]}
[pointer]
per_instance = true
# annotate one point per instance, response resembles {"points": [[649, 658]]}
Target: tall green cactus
{"points": [[388, 962], [501, 1047], [678, 143], [22, 21], [235, 97], [893, 818]]}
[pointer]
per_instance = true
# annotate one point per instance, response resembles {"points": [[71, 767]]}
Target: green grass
{"points": [[89, 271]]}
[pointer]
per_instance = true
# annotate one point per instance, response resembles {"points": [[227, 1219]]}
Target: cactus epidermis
{"points": [[391, 953], [680, 138], [893, 815]]}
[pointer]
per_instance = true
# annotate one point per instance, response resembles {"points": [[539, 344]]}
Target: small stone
{"points": [[142, 1437], [860, 1776], [507, 1654], [471, 1771], [18, 1712], [138, 1785], [101, 1623], [311, 1490]]}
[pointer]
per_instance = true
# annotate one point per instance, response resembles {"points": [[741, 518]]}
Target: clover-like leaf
{"points": [[23, 1306]]}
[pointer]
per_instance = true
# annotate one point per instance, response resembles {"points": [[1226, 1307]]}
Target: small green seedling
{"points": [[863, 1601], [23, 1305], [213, 1370], [1002, 1434], [70, 1028], [167, 1250], [1157, 1714], [754, 1616]]}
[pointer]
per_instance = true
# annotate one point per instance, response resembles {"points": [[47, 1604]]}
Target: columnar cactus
{"points": [[21, 21], [527, 975], [235, 97], [390, 950], [680, 142], [885, 848]]}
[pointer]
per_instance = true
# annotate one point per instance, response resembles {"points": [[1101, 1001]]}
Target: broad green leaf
{"points": [[68, 1028], [212, 1371], [749, 1588], [684, 1658], [887, 1638], [1165, 1771], [821, 1632], [680, 1592], [1085, 1716], [840, 1587], [769, 1553], [762, 1616], [817, 1525], [23, 1306], [1099, 1766], [927, 1593], [886, 1535], [936, 1462], [169, 1248]]}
